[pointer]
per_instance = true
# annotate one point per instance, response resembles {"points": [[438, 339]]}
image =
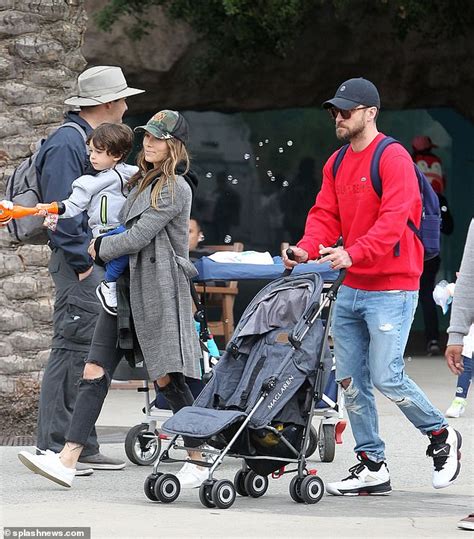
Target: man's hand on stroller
{"points": [[299, 256], [337, 257]]}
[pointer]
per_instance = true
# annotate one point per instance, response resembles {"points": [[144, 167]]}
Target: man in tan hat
{"points": [[102, 93]]}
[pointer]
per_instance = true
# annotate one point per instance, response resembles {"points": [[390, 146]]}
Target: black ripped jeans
{"points": [[91, 393]]}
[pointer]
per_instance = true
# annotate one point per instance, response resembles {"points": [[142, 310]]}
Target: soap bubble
{"points": [[235, 181], [285, 184], [257, 158], [266, 141], [280, 150], [269, 173], [229, 177], [228, 238], [272, 179], [260, 143], [246, 156], [209, 175], [289, 143]]}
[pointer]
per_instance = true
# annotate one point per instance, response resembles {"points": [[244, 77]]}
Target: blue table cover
{"points": [[221, 271]]}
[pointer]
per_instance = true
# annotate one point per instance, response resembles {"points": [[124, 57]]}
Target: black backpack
{"points": [[429, 232]]}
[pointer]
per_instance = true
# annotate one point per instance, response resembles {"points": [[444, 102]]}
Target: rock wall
{"points": [[40, 57], [414, 73]]}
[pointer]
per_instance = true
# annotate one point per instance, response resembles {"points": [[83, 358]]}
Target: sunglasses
{"points": [[345, 114]]}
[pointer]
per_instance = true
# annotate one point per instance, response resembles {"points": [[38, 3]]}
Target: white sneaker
{"points": [[444, 449], [457, 408], [362, 482], [107, 294], [192, 476], [48, 465]]}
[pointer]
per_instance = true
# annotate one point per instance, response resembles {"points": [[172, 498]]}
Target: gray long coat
{"points": [[160, 270]]}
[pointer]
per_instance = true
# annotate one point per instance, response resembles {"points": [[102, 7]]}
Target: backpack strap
{"points": [[77, 127], [339, 157], [377, 181], [375, 164], [411, 224]]}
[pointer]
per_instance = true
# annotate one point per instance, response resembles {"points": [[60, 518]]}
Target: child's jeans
{"points": [[117, 266], [464, 379]]}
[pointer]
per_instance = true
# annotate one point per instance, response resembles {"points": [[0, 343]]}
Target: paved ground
{"points": [[113, 503]]}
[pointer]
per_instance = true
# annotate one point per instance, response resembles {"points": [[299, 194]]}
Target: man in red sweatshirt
{"points": [[376, 305]]}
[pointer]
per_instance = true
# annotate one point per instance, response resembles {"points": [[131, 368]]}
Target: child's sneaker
{"points": [[445, 450], [457, 408], [107, 294], [49, 465], [363, 481]]}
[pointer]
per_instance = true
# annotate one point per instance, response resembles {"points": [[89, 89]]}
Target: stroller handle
{"points": [[291, 255], [332, 292]]}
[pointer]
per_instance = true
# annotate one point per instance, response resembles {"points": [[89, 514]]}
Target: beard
{"points": [[349, 133]]}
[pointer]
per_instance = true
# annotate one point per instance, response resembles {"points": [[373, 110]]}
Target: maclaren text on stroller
{"points": [[259, 402]]}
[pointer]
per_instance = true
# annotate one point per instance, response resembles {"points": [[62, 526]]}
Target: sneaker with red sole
{"points": [[444, 449]]}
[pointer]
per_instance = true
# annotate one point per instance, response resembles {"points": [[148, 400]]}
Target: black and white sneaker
{"points": [[362, 481], [444, 449], [107, 294]]}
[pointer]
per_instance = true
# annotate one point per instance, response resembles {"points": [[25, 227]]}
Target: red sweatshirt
{"points": [[370, 226]]}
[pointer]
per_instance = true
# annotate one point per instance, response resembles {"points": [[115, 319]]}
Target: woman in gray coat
{"points": [[156, 217]]}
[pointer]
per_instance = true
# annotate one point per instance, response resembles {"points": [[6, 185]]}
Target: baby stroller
{"points": [[260, 400]]}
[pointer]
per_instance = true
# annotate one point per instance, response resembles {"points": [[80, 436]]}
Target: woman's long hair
{"points": [[165, 171]]}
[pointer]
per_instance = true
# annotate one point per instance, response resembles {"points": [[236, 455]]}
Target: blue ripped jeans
{"points": [[370, 330]]}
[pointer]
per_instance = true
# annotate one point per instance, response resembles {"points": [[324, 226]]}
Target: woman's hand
{"points": [[91, 249]]}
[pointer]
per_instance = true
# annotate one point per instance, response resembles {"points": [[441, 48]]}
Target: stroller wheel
{"points": [[223, 494], [205, 494], [256, 485], [313, 442], [312, 489], [327, 442], [142, 446], [149, 486], [239, 483], [167, 488], [295, 489]]}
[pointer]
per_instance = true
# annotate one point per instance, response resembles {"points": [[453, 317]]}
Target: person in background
{"points": [[376, 303], [443, 296], [431, 165], [196, 236], [461, 321]]}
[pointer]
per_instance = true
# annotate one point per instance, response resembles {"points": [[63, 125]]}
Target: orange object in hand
{"points": [[17, 212]]}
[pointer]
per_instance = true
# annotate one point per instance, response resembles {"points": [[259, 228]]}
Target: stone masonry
{"points": [[40, 57]]}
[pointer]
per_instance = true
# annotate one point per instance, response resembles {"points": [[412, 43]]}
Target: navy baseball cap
{"points": [[354, 92]]}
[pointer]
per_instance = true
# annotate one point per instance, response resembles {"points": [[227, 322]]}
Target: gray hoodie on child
{"points": [[102, 196]]}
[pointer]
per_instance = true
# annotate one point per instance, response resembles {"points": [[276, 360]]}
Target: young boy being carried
{"points": [[102, 197]]}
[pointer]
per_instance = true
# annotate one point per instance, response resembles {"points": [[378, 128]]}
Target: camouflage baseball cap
{"points": [[166, 124]]}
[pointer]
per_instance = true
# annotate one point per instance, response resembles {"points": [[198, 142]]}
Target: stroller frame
{"points": [[305, 487]]}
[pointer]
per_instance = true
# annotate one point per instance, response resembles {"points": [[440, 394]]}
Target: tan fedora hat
{"points": [[101, 84]]}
